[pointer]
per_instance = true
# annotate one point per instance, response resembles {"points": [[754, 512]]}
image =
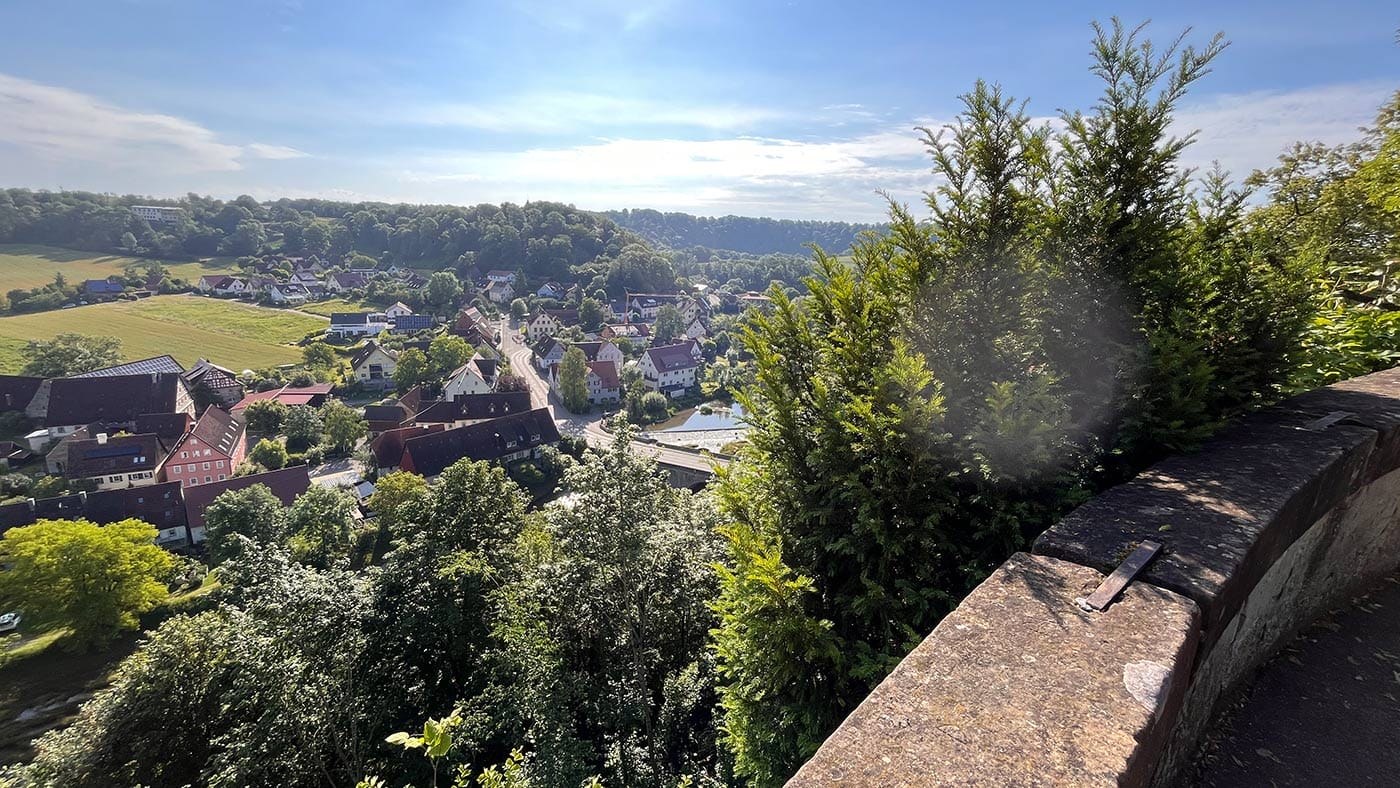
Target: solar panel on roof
{"points": [[113, 451]]}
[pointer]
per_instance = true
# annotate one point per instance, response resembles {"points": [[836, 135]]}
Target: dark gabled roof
{"points": [[430, 455], [218, 429], [349, 279], [367, 351], [160, 505], [16, 391], [606, 372], [668, 358], [145, 366], [118, 454], [286, 484], [118, 399], [388, 446], [103, 286], [169, 427], [395, 414], [568, 317], [590, 349], [413, 322], [212, 375], [471, 407]]}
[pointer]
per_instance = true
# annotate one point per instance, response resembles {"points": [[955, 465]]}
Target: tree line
{"points": [[750, 235]]}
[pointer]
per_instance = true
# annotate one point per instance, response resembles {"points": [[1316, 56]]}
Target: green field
{"points": [[30, 265], [325, 308], [231, 334]]}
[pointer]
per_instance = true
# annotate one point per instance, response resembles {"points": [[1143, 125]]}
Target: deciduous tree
{"points": [[93, 580]]}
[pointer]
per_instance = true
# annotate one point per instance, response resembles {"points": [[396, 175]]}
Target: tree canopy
{"points": [[94, 580]]}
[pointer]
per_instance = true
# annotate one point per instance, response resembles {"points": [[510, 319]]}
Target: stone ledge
{"points": [[1018, 686], [1223, 514], [1374, 401]]}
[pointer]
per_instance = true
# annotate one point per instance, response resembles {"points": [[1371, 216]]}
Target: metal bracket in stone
{"points": [[1320, 424], [1114, 584]]}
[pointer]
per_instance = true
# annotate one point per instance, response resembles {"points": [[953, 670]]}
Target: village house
{"points": [[373, 365], [102, 289], [381, 418], [387, 447], [17, 391], [477, 376], [640, 331], [696, 329], [549, 353], [160, 505], [693, 309], [500, 292], [112, 400], [604, 383], [115, 461], [548, 322], [306, 277], [288, 293], [669, 369], [222, 285], [501, 276], [472, 408], [601, 351], [285, 484], [399, 309], [473, 326], [210, 452], [552, 290], [313, 396], [649, 305], [213, 383], [411, 324], [358, 324], [344, 282], [506, 439]]}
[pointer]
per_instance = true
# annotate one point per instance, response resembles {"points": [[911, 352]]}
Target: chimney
{"points": [[101, 439]]}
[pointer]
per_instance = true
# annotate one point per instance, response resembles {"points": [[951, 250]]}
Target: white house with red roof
{"points": [[670, 369]]}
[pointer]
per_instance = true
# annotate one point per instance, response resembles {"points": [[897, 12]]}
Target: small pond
{"points": [[692, 420]]}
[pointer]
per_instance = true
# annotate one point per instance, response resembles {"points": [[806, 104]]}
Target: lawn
{"points": [[231, 334], [30, 265], [325, 308]]}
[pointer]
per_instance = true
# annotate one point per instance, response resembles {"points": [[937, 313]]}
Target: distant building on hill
{"points": [[157, 214]]}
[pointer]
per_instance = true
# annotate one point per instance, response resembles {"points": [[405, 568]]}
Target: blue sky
{"points": [[789, 109]]}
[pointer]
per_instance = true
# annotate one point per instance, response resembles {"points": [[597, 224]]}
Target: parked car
{"points": [[9, 622]]}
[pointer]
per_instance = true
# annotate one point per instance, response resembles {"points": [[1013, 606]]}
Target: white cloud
{"points": [[262, 151], [68, 127], [591, 112], [772, 175], [1248, 131]]}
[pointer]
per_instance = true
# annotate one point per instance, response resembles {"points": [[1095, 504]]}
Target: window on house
{"points": [[206, 466], [207, 479]]}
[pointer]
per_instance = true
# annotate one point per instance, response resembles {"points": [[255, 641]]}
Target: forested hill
{"points": [[544, 240], [739, 233]]}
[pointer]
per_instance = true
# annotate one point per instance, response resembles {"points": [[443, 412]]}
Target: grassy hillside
{"points": [[31, 265], [231, 334], [325, 308]]}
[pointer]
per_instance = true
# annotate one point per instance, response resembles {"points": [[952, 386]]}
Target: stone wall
{"points": [[1274, 520]]}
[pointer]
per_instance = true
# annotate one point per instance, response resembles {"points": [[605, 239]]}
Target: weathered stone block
{"points": [[1223, 514], [1018, 686], [1373, 401]]}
